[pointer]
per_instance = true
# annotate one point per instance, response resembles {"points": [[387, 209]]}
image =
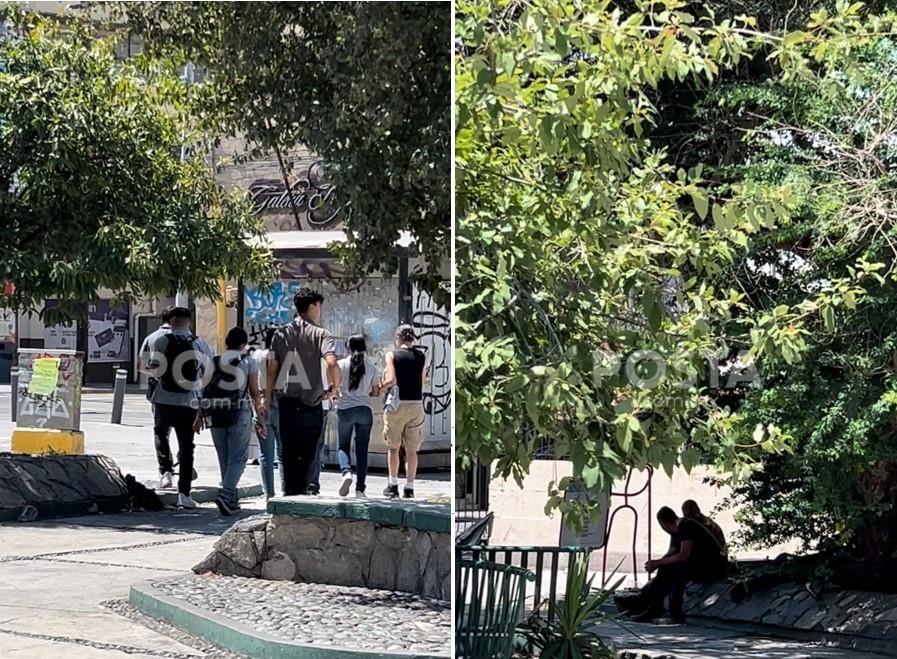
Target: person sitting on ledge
{"points": [[691, 510], [694, 555]]}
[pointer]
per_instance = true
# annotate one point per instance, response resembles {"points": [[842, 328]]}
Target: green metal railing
{"points": [[540, 560], [489, 602]]}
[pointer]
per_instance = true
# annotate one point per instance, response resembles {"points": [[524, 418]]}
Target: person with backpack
{"points": [[178, 359], [161, 434], [226, 411], [294, 370], [355, 413], [403, 417]]}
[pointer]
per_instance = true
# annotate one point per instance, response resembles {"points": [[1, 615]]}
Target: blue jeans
{"points": [[359, 420], [231, 445], [314, 471], [269, 452]]}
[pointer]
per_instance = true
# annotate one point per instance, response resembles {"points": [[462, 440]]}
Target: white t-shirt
{"points": [[361, 396]]}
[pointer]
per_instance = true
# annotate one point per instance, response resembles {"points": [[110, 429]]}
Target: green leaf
{"points": [[699, 198], [690, 458]]}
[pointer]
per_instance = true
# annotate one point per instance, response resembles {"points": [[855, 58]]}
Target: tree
{"points": [[833, 137], [579, 236], [93, 191], [365, 85]]}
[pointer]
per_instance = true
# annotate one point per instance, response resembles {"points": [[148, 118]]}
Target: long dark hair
{"points": [[357, 348]]}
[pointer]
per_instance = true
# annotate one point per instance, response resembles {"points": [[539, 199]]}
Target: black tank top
{"points": [[409, 373]]}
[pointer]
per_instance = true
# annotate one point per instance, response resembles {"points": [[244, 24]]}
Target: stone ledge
{"points": [[236, 637], [849, 619], [419, 515]]}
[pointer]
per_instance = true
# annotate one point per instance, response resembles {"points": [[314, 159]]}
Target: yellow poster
{"points": [[44, 376]]}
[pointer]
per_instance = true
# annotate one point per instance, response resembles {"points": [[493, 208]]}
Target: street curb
{"points": [[237, 637], [207, 494]]}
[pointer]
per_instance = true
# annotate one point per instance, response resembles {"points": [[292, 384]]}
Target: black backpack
{"points": [[175, 346], [221, 400]]}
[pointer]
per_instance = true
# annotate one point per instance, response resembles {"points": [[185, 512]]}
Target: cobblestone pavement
{"points": [[316, 614]]}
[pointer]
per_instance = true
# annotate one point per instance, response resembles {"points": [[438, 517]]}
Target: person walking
{"points": [[294, 370], [178, 360], [404, 377], [355, 413], [269, 439], [161, 434], [226, 411]]}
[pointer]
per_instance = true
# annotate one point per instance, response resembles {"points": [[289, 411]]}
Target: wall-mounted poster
{"points": [[60, 337], [7, 326], [108, 337]]}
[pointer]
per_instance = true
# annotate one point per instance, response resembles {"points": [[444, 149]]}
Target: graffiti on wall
{"points": [[368, 308], [433, 327], [59, 409], [371, 309], [312, 195]]}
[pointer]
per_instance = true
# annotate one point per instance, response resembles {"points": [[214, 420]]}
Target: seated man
{"points": [[691, 510], [694, 555]]}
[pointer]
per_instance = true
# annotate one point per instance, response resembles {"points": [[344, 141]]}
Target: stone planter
{"points": [[390, 545]]}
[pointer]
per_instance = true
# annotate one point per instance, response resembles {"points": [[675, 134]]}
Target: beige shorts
{"points": [[405, 426]]}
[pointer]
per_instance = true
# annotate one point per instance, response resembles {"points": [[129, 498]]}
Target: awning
{"points": [[282, 240]]}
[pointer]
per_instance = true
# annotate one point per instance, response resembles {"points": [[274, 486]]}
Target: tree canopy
{"points": [[365, 85], [833, 138], [93, 190], [587, 244]]}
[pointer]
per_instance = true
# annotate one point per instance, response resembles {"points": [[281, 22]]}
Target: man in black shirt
{"points": [[694, 555]]}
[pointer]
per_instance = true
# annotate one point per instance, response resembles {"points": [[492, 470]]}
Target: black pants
{"points": [[161, 433], [181, 419], [300, 430], [671, 581]]}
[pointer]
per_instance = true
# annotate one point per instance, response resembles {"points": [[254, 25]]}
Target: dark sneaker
{"points": [[409, 493], [223, 506], [391, 491]]}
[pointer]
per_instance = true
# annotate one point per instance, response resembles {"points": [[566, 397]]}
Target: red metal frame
{"points": [[626, 505]]}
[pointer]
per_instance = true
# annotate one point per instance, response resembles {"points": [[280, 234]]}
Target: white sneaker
{"points": [[165, 481], [345, 485], [184, 501], [360, 495]]}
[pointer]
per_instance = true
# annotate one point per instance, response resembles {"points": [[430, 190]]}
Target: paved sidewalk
{"points": [[130, 445], [55, 577]]}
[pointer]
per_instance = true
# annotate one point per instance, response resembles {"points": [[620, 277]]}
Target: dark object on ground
{"points": [[630, 602], [59, 486], [142, 498]]}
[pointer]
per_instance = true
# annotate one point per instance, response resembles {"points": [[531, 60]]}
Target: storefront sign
{"points": [[311, 194]]}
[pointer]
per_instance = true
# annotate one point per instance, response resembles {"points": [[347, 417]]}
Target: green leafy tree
{"points": [[365, 85], [578, 236], [833, 137], [93, 190]]}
